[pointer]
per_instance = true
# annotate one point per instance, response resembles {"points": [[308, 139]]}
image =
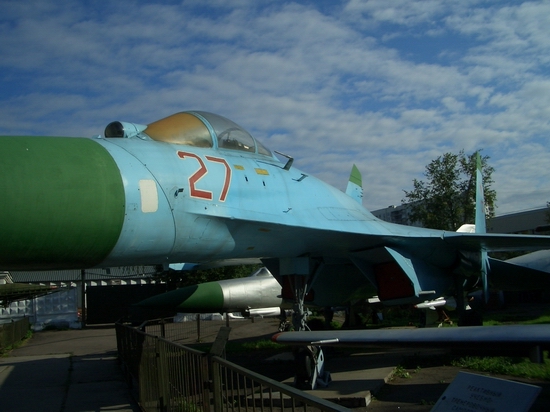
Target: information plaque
{"points": [[469, 392]]}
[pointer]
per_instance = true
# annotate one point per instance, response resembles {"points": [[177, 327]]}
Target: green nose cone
{"points": [[62, 203]]}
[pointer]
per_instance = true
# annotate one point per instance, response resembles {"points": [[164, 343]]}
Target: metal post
{"points": [[162, 376], [83, 296], [216, 385], [204, 363], [198, 327], [536, 355], [162, 328]]}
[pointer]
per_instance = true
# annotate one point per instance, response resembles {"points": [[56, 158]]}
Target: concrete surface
{"points": [[61, 371], [77, 370], [354, 379]]}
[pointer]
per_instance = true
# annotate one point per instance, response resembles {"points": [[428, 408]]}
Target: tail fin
{"points": [[480, 226], [480, 198], [355, 185]]}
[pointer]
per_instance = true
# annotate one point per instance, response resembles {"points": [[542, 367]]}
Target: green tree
{"points": [[446, 200]]}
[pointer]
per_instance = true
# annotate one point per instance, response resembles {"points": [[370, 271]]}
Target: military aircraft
{"points": [[196, 187], [260, 294], [256, 295]]}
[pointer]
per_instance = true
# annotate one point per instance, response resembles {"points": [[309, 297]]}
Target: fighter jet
{"points": [[196, 187], [256, 295]]}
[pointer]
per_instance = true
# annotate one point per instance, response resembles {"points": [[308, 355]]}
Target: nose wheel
{"points": [[310, 373]]}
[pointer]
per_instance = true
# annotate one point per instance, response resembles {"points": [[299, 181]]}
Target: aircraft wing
{"points": [[496, 241], [514, 275], [522, 338], [356, 236], [539, 260]]}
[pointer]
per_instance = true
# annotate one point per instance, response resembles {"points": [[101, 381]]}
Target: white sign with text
{"points": [[469, 392]]}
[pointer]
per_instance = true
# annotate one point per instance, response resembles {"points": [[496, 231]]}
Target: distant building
{"points": [[128, 275], [396, 214], [527, 222], [97, 295], [5, 278]]}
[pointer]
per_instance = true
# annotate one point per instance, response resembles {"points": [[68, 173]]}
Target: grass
{"points": [[6, 350], [511, 366], [519, 367], [259, 345], [520, 314], [516, 317], [401, 372]]}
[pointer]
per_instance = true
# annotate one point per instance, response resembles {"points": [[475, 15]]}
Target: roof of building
{"points": [[127, 272], [11, 292], [526, 221]]}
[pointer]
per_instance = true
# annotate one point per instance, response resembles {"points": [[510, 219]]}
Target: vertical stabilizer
{"points": [[480, 226], [355, 185], [480, 198]]}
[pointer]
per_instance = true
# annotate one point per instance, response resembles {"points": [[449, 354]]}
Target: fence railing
{"points": [[172, 377], [13, 332], [188, 332], [239, 389]]}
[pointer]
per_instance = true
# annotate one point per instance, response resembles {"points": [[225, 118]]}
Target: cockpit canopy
{"points": [[199, 129]]}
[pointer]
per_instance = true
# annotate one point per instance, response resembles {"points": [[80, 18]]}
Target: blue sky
{"points": [[387, 85]]}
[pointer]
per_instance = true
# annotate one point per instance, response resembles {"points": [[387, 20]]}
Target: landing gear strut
{"points": [[310, 359], [469, 308]]}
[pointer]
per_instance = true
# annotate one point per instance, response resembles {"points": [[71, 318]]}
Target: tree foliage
{"points": [[446, 200], [194, 277]]}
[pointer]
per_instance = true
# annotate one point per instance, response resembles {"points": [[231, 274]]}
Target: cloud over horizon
{"points": [[388, 86]]}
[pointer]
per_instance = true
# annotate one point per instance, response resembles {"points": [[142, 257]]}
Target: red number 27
{"points": [[202, 171]]}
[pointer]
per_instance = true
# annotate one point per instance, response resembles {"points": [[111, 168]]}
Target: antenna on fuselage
{"points": [[288, 164]]}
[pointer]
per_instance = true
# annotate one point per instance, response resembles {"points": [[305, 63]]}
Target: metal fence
{"points": [[193, 331], [168, 376], [13, 332], [238, 389]]}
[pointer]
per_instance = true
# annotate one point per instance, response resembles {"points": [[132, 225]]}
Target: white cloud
{"points": [[405, 12], [329, 84]]}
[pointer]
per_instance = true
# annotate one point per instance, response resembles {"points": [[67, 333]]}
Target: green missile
{"points": [[260, 290]]}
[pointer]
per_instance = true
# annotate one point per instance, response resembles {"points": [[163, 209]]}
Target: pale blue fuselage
{"points": [[186, 228], [193, 204], [195, 187]]}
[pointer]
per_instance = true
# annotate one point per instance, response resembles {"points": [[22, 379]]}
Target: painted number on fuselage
{"points": [[202, 171]]}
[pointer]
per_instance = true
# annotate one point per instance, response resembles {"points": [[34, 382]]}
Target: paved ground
{"points": [[62, 371], [77, 370], [428, 377]]}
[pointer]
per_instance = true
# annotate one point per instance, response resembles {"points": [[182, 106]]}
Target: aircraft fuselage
{"points": [[195, 187]]}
